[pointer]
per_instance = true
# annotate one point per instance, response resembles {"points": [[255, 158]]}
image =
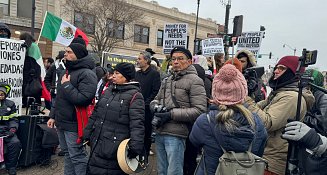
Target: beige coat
{"points": [[274, 112], [190, 95]]}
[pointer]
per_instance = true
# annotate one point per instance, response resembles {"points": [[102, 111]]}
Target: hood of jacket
{"points": [[86, 62], [250, 55], [189, 70]]}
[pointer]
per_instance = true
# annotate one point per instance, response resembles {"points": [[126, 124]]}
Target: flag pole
{"points": [[38, 39]]}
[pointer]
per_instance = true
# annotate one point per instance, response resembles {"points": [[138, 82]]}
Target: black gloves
{"points": [[131, 154], [161, 118], [300, 132]]}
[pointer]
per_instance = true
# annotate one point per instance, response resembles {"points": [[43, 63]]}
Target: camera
{"points": [[309, 57], [156, 121], [252, 76]]}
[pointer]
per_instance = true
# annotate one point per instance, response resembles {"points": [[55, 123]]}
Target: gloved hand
{"points": [[300, 132], [131, 154], [164, 117], [12, 132]]}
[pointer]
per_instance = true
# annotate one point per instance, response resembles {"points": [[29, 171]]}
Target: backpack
{"points": [[245, 163]]}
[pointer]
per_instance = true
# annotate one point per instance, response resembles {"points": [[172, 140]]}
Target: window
{"points": [[4, 4], [24, 8], [116, 29], [141, 34], [160, 38], [85, 22]]}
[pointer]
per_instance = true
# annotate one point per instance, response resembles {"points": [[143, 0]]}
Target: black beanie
{"points": [[79, 40], [183, 50], [127, 70], [79, 50]]}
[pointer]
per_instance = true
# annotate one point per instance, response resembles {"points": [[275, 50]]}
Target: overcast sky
{"points": [[297, 23]]}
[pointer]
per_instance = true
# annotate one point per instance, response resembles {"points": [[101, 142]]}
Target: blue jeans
{"points": [[75, 154], [170, 154]]}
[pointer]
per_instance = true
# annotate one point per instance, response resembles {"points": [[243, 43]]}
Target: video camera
{"points": [[252, 76], [158, 108]]}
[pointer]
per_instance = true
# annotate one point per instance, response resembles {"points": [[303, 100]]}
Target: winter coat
{"points": [[190, 96], [31, 70], [79, 91], [118, 115], [320, 105], [280, 106], [8, 116], [212, 136], [150, 83]]}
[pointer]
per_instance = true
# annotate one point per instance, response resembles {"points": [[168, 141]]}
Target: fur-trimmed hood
{"points": [[252, 59]]}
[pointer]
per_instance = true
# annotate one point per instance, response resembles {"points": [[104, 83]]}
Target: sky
{"points": [[296, 23]]}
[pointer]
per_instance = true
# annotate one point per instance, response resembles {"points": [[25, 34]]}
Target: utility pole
{"points": [[196, 27], [228, 6], [33, 18]]}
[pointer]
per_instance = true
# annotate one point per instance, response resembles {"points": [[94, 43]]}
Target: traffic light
{"points": [[270, 54], [227, 40], [238, 25]]}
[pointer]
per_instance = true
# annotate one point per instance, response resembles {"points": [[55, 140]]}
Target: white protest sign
{"points": [[175, 34], [210, 46], [12, 57], [250, 41]]}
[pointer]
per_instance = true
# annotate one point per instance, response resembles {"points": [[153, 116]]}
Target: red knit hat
{"points": [[229, 86], [290, 62]]}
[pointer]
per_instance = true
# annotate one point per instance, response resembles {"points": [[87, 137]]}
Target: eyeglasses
{"points": [[281, 68], [178, 58]]}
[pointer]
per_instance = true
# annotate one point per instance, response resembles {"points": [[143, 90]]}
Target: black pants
{"points": [[148, 129], [190, 155], [13, 150]]}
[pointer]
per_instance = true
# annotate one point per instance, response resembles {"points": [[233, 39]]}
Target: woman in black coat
{"points": [[118, 115]]}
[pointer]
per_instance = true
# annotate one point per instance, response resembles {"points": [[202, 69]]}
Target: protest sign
{"points": [[175, 34], [210, 46], [250, 41], [113, 59], [12, 57]]}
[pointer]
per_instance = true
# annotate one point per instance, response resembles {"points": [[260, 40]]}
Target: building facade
{"points": [[151, 25]]}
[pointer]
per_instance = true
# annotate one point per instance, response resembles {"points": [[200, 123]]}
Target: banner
{"points": [[12, 57], [210, 46], [175, 34], [113, 59], [250, 41]]}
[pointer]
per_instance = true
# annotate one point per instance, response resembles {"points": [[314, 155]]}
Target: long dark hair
{"points": [[29, 39]]}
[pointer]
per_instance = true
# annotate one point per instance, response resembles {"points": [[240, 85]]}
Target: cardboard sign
{"points": [[175, 34], [250, 41], [12, 56], [211, 46]]}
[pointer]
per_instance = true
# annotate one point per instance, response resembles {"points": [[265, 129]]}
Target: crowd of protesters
{"points": [[197, 105]]}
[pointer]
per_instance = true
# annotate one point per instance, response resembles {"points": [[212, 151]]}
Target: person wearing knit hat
{"points": [[4, 31], [79, 39], [228, 124], [119, 115], [9, 125], [125, 69], [75, 92], [280, 106], [247, 59]]}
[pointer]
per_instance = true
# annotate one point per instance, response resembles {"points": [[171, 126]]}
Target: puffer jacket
{"points": [[212, 136], [190, 96], [8, 116], [274, 112], [79, 91], [118, 115]]}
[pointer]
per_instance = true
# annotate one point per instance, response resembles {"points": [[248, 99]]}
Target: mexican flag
{"points": [[60, 31]]}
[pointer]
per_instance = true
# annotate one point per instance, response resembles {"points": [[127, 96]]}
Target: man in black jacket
{"points": [[149, 80], [75, 90]]}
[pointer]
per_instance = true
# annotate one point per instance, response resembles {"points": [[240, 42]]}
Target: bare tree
{"points": [[112, 21]]}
